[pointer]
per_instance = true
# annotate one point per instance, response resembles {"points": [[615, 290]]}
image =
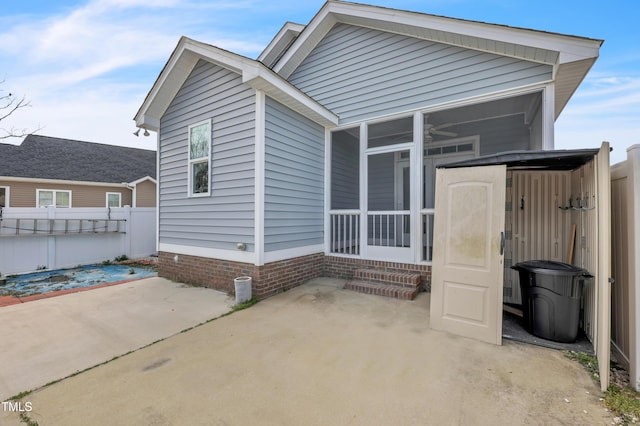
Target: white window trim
{"points": [[7, 193], [113, 193], [190, 162], [54, 191]]}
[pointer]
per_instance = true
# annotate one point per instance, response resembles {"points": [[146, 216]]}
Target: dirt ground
{"points": [[321, 355]]}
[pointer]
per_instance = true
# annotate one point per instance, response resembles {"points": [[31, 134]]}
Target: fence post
{"points": [[127, 230], [633, 228], [51, 239]]}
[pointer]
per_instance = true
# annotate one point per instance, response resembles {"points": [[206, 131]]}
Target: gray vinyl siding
{"points": [[360, 73], [294, 179], [226, 217]]}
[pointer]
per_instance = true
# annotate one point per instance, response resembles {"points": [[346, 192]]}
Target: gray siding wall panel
{"points": [[294, 179], [227, 216], [361, 73]]}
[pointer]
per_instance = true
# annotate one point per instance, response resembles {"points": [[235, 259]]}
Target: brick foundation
{"points": [[274, 277], [267, 280]]}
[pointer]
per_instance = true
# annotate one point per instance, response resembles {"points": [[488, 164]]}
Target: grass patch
{"points": [[622, 400], [245, 305], [20, 395], [25, 419], [590, 363], [625, 402]]}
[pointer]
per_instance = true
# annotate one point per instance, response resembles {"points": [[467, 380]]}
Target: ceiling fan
{"points": [[430, 129]]}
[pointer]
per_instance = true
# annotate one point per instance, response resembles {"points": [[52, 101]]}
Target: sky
{"points": [[86, 66]]}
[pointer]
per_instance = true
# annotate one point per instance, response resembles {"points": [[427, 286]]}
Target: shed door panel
{"points": [[467, 274], [603, 201]]}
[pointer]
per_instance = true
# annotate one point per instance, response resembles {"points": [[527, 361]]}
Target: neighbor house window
{"points": [[53, 197], [4, 196], [114, 199], [199, 158]]}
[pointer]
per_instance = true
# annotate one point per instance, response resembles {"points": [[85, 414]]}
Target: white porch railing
{"points": [[389, 228], [427, 234], [384, 228], [345, 231]]}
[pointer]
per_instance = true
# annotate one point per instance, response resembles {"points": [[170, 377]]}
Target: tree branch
{"points": [[9, 104]]}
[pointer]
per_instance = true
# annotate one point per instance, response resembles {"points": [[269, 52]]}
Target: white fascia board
{"points": [[262, 78], [184, 57], [142, 179], [254, 73], [288, 30], [146, 121], [570, 48], [560, 48]]}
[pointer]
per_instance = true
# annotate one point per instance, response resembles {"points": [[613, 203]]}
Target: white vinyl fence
{"points": [[625, 263], [52, 238]]}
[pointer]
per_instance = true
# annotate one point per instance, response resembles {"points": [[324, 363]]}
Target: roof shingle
{"points": [[44, 157]]}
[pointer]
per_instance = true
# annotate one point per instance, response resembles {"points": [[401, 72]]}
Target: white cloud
{"points": [[605, 108], [71, 66]]}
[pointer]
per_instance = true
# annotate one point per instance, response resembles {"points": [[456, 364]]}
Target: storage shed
{"points": [[495, 211]]}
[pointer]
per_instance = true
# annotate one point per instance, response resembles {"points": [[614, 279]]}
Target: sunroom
{"points": [[381, 173]]}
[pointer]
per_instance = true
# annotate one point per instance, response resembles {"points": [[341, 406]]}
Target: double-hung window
{"points": [[53, 197], [200, 159], [114, 199]]}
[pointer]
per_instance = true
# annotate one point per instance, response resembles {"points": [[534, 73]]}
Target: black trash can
{"points": [[551, 296]]}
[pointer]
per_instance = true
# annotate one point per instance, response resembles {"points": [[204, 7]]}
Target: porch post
{"points": [[417, 159], [364, 207], [548, 117], [327, 191]]}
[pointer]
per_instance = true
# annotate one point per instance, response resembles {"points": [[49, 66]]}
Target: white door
{"points": [[389, 207], [467, 270]]}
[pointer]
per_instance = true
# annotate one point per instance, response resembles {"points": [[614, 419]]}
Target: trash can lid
{"points": [[550, 267]]}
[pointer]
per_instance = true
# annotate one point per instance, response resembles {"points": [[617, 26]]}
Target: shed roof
{"points": [[540, 160], [44, 157]]}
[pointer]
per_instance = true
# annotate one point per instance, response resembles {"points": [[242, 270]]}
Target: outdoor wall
{"points": [[294, 179], [145, 194], [23, 194], [359, 73], [226, 217], [58, 241], [267, 280]]}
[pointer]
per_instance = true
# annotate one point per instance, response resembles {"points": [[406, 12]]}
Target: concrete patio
{"points": [[318, 355], [51, 338]]}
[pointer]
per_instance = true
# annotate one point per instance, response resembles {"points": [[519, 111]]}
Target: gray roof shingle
{"points": [[44, 157]]}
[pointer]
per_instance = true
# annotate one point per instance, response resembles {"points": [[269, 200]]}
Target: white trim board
{"points": [[211, 253]]}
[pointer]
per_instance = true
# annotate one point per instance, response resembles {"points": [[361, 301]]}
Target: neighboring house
{"points": [[46, 171], [319, 157]]}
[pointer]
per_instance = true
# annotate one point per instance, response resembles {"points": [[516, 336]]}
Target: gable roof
{"points": [[571, 56], [280, 43], [185, 56], [44, 157]]}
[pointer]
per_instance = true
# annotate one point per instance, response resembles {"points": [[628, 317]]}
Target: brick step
{"points": [[378, 289], [403, 279]]}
